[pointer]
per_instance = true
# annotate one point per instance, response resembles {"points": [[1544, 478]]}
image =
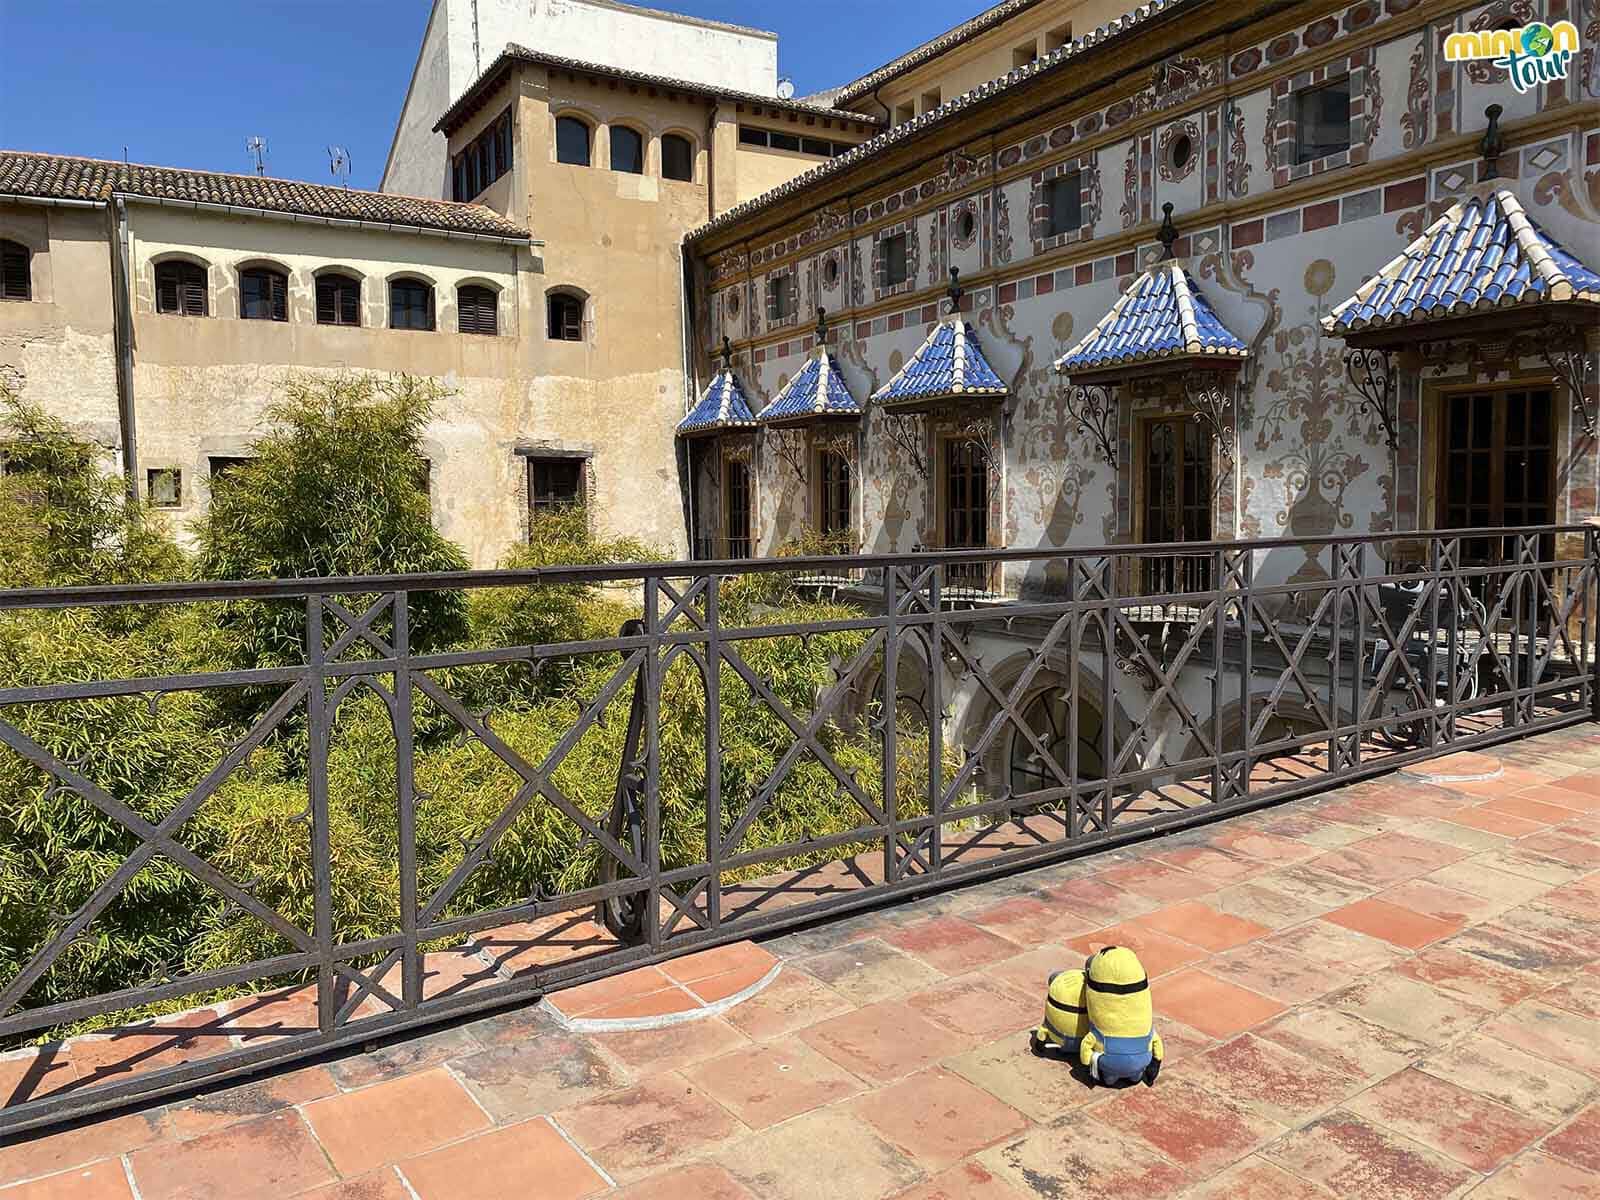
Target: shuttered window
{"points": [[263, 295], [477, 310], [181, 289], [16, 281], [566, 318], [677, 157], [410, 304], [338, 300]]}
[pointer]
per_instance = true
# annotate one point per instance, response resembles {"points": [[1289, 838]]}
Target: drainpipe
{"points": [[122, 334]]}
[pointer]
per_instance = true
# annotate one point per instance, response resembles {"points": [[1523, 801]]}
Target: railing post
{"points": [[651, 666], [406, 798], [713, 751], [891, 697], [1108, 699], [935, 723], [317, 788], [1336, 580], [1074, 678], [1591, 618], [1247, 670], [1219, 627]]}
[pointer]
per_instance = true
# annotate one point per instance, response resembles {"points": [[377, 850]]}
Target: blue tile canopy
{"points": [[1484, 253], [817, 391], [1161, 315], [723, 406], [948, 366]]}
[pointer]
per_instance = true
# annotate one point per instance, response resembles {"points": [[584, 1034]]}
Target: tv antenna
{"points": [[785, 88], [256, 146], [339, 164]]}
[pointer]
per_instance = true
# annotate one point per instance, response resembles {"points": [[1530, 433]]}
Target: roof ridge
{"points": [[956, 35]]}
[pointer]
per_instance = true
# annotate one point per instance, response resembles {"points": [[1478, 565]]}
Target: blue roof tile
{"points": [[723, 406], [948, 366], [1485, 252], [1162, 314], [817, 391]]}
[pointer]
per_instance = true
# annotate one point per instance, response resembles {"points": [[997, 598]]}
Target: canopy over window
{"points": [[948, 366], [1161, 318], [722, 406]]}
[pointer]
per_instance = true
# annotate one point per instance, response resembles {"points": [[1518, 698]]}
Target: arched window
{"points": [[477, 309], [16, 280], [1050, 718], [572, 141], [627, 150], [181, 289], [566, 317], [677, 157], [263, 295], [338, 300], [410, 304]]}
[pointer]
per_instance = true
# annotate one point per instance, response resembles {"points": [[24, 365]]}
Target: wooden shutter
{"points": [[193, 298], [167, 288], [280, 296], [476, 310], [15, 280]]}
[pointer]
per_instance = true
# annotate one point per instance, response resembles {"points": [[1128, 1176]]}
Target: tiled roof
{"points": [[56, 176], [949, 365], [1162, 314], [1484, 253], [817, 391], [1114, 32], [949, 40], [474, 96], [723, 406]]}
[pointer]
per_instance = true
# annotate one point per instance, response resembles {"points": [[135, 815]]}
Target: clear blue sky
{"points": [[184, 82]]}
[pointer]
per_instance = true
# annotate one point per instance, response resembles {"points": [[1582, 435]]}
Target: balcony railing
{"points": [[725, 766]]}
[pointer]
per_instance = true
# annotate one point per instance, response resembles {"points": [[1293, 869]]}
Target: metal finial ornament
{"points": [[1493, 144], [1168, 233], [956, 291], [727, 353], [822, 326]]}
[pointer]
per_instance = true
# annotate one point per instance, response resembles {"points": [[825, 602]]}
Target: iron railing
{"points": [[941, 742]]}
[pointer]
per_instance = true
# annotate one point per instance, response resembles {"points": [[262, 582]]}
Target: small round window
{"points": [[830, 272], [1180, 151], [733, 303], [966, 226]]}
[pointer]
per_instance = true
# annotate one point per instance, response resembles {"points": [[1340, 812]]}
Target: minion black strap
{"points": [[1119, 989], [1068, 1008]]}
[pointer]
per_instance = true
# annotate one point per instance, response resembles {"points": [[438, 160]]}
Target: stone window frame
{"points": [[908, 226], [792, 273], [1039, 211], [1283, 128]]}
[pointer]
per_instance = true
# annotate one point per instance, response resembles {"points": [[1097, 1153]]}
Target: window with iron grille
{"points": [[566, 317], [1322, 121], [555, 483], [164, 487], [896, 260], [627, 150], [410, 304], [834, 477], [181, 289], [16, 280], [677, 158], [572, 141], [477, 309], [338, 300], [737, 494], [1063, 202], [263, 295], [485, 159], [781, 298]]}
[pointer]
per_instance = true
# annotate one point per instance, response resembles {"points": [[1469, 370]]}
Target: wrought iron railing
{"points": [[945, 742]]}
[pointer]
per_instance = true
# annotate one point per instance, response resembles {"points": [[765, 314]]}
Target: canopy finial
{"points": [[956, 291], [1168, 233], [1493, 143], [727, 353]]}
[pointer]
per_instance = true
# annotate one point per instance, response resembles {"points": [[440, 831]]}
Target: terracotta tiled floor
{"points": [[1389, 991]]}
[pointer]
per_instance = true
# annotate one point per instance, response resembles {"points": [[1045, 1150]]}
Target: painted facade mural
{"points": [[1216, 138]]}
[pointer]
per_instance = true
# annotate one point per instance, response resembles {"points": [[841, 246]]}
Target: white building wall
{"points": [[465, 36]]}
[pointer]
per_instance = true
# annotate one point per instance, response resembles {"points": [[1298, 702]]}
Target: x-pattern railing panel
{"points": [[1156, 672]]}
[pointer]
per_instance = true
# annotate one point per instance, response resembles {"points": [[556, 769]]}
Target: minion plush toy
{"points": [[1121, 1043], [1066, 1019]]}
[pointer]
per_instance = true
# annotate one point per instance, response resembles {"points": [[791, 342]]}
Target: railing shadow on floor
{"points": [[751, 752]]}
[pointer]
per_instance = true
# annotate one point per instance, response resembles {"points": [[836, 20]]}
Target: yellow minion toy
{"points": [[1121, 1044], [1066, 1019]]}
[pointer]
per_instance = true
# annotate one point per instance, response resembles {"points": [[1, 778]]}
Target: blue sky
{"points": [[185, 82]]}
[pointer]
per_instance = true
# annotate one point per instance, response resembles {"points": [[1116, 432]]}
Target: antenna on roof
{"points": [[256, 146], [785, 88], [339, 164]]}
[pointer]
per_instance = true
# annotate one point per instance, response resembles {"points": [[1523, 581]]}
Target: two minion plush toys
{"points": [[1103, 1016]]}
